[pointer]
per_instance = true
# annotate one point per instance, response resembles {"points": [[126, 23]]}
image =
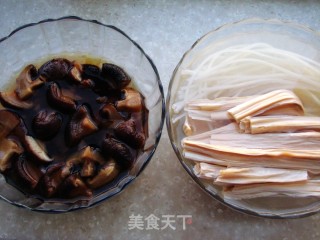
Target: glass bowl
{"points": [[75, 36], [283, 35]]}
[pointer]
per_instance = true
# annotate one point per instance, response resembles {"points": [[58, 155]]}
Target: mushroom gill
{"points": [[25, 83], [12, 100], [28, 171]]}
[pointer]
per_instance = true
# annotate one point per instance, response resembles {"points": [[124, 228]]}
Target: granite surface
{"points": [[165, 29]]}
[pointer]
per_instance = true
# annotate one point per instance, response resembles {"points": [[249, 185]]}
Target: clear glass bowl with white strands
{"points": [[218, 107]]}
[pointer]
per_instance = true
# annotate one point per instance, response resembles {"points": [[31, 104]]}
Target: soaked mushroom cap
{"points": [[127, 132], [115, 74], [60, 69], [100, 84], [117, 150], [46, 125], [55, 69], [80, 126], [59, 101]]}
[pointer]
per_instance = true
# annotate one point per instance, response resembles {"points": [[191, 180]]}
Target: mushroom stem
{"points": [[75, 71], [8, 149], [88, 156], [29, 171], [53, 179], [106, 174], [88, 168], [132, 101], [76, 187]]}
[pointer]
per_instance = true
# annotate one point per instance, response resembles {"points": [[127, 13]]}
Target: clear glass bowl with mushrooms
{"points": [[80, 117]]}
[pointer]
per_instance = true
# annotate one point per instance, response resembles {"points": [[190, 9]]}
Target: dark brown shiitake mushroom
{"points": [[25, 84], [87, 83], [80, 126], [117, 150], [87, 158], [8, 150], [74, 186], [60, 69], [46, 125], [8, 122], [90, 71], [126, 131], [8, 147], [100, 84], [115, 74], [28, 171], [58, 101], [52, 179], [110, 77]]}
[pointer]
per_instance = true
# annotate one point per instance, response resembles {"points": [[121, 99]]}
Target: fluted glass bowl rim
{"points": [[170, 130], [158, 135]]}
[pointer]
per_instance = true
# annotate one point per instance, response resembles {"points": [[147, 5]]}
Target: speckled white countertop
{"points": [[165, 29]]}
